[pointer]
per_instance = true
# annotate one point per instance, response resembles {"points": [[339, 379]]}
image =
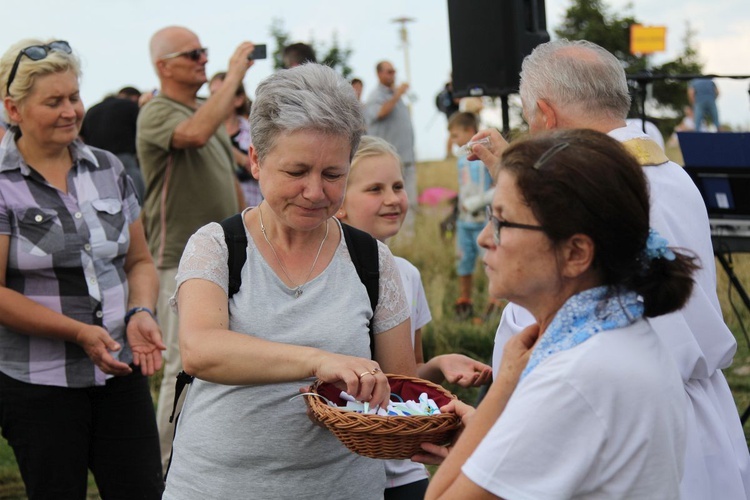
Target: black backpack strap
{"points": [[183, 379], [363, 249], [234, 235]]}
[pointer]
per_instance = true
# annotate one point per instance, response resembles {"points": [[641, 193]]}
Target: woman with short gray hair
{"points": [[300, 313], [313, 98]]}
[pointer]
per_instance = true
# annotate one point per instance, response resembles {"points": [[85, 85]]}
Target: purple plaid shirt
{"points": [[67, 253]]}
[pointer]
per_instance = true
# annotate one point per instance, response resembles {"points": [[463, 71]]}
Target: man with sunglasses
{"points": [[567, 85], [187, 163]]}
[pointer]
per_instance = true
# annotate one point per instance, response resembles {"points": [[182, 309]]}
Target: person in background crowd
{"points": [[475, 190], [387, 117], [187, 162], [111, 125], [448, 105], [296, 54], [238, 128], [78, 287], [357, 85], [702, 94], [445, 102]]}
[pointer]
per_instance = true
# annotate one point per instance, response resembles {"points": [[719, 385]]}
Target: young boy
{"points": [[475, 190]]}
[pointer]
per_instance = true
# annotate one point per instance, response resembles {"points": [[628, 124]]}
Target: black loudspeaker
{"points": [[489, 39]]}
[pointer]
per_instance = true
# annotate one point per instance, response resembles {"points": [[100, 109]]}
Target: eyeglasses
{"points": [[36, 53], [193, 55], [498, 224]]}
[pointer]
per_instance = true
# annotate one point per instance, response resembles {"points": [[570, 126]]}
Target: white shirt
{"points": [[401, 472], [717, 460], [605, 419]]}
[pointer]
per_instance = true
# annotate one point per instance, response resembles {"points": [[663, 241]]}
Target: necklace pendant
{"points": [[297, 293]]}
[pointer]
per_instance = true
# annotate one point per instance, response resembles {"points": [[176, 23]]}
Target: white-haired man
{"points": [[581, 85], [186, 159]]}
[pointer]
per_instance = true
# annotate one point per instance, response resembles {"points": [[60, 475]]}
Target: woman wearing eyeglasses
{"points": [[77, 287], [588, 402]]}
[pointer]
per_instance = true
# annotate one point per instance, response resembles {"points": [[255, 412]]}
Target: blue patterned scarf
{"points": [[582, 316]]}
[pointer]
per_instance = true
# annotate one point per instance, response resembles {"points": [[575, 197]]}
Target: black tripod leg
{"points": [[736, 283], [745, 416], [743, 295]]}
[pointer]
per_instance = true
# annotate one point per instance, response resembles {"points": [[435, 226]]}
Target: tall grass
{"points": [[737, 317]]}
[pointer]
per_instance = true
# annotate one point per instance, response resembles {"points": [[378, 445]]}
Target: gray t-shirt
{"points": [[395, 128], [252, 441]]}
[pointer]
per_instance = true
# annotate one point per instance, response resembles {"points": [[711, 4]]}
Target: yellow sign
{"points": [[647, 39]]}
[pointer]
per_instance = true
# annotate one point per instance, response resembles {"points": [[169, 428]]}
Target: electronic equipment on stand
{"points": [[719, 164], [489, 40]]}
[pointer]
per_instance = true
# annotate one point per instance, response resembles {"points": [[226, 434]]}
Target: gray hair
{"points": [[575, 73], [29, 70], [307, 97]]}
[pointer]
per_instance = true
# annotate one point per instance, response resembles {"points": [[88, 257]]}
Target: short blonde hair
{"points": [[371, 146], [29, 70]]}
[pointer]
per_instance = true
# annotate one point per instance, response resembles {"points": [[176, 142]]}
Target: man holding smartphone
{"points": [[186, 159]]}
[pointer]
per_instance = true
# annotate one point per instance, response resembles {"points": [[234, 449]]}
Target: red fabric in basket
{"points": [[407, 389]]}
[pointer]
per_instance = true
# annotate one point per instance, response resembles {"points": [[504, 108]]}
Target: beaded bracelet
{"points": [[135, 310]]}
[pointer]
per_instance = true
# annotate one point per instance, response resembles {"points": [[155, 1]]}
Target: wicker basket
{"points": [[392, 437]]}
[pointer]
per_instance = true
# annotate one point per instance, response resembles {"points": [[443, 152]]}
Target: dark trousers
{"points": [[411, 491], [58, 433]]}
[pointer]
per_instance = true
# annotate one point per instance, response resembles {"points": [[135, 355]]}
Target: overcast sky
{"points": [[111, 36]]}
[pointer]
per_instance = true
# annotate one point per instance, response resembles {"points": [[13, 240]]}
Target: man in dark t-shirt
{"points": [[110, 125]]}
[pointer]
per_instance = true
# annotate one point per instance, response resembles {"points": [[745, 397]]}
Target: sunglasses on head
{"points": [[36, 53], [193, 55]]}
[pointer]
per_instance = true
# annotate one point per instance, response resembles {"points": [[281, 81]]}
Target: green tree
{"points": [[281, 38], [333, 55], [591, 20]]}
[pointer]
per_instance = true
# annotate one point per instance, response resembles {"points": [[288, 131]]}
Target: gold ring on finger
{"points": [[363, 374]]}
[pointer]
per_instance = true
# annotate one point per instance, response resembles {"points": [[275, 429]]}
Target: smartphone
{"points": [[259, 52]]}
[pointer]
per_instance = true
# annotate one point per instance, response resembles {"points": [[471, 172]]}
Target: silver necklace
{"points": [[297, 288]]}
